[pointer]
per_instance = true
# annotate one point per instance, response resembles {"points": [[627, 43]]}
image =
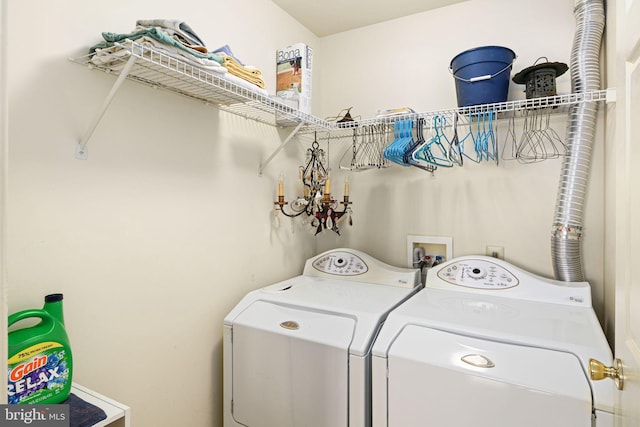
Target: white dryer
{"points": [[486, 344], [298, 353]]}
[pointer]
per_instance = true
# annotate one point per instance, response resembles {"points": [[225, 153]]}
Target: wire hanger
{"points": [[454, 148], [408, 155], [403, 139], [366, 149], [433, 151]]}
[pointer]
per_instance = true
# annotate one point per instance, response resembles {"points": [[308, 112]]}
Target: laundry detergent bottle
{"points": [[40, 364]]}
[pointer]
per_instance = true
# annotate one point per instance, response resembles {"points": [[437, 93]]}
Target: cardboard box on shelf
{"points": [[293, 76]]}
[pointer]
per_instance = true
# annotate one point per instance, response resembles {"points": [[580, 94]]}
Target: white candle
{"points": [[281, 186], [346, 186]]}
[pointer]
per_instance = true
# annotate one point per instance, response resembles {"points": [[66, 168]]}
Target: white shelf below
{"points": [[114, 410]]}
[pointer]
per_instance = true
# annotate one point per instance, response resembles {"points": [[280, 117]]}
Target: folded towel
{"points": [[115, 56], [250, 74], [111, 57], [226, 49], [155, 33], [178, 28], [199, 48], [180, 54], [82, 413], [245, 84]]}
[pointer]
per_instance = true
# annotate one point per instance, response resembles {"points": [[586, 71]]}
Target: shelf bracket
{"points": [[81, 149], [264, 164]]}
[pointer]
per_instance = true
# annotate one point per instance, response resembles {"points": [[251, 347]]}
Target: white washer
{"points": [[488, 344], [298, 353]]}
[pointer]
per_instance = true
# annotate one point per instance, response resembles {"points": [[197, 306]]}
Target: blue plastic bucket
{"points": [[482, 75]]}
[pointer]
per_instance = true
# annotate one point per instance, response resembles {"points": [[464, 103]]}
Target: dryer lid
{"points": [[569, 329], [469, 381], [290, 367], [298, 324], [368, 305]]}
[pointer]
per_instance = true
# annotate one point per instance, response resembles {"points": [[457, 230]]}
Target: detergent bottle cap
{"points": [[53, 298], [53, 306]]}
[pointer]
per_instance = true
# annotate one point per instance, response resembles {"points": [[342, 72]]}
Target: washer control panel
{"points": [[478, 274], [341, 264]]}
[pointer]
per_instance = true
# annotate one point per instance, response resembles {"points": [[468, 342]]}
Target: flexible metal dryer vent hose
{"points": [[566, 234]]}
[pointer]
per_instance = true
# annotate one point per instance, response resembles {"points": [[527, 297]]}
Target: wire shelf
{"points": [[159, 70], [149, 66], [559, 103]]}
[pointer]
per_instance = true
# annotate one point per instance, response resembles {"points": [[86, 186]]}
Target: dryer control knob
{"points": [[476, 272]]}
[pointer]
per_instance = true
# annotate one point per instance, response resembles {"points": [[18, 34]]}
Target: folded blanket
{"points": [[155, 33], [250, 74], [175, 27]]}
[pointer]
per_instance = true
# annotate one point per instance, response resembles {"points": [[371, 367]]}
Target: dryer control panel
{"points": [[479, 274], [353, 265], [341, 263], [485, 275]]}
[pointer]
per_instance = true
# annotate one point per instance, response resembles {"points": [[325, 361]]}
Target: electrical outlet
{"points": [[495, 251]]}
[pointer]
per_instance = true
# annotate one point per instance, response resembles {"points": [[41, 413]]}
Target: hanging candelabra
{"points": [[316, 201]]}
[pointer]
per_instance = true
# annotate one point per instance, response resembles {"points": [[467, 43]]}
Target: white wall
{"points": [[166, 226], [4, 141], [155, 237], [405, 62]]}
